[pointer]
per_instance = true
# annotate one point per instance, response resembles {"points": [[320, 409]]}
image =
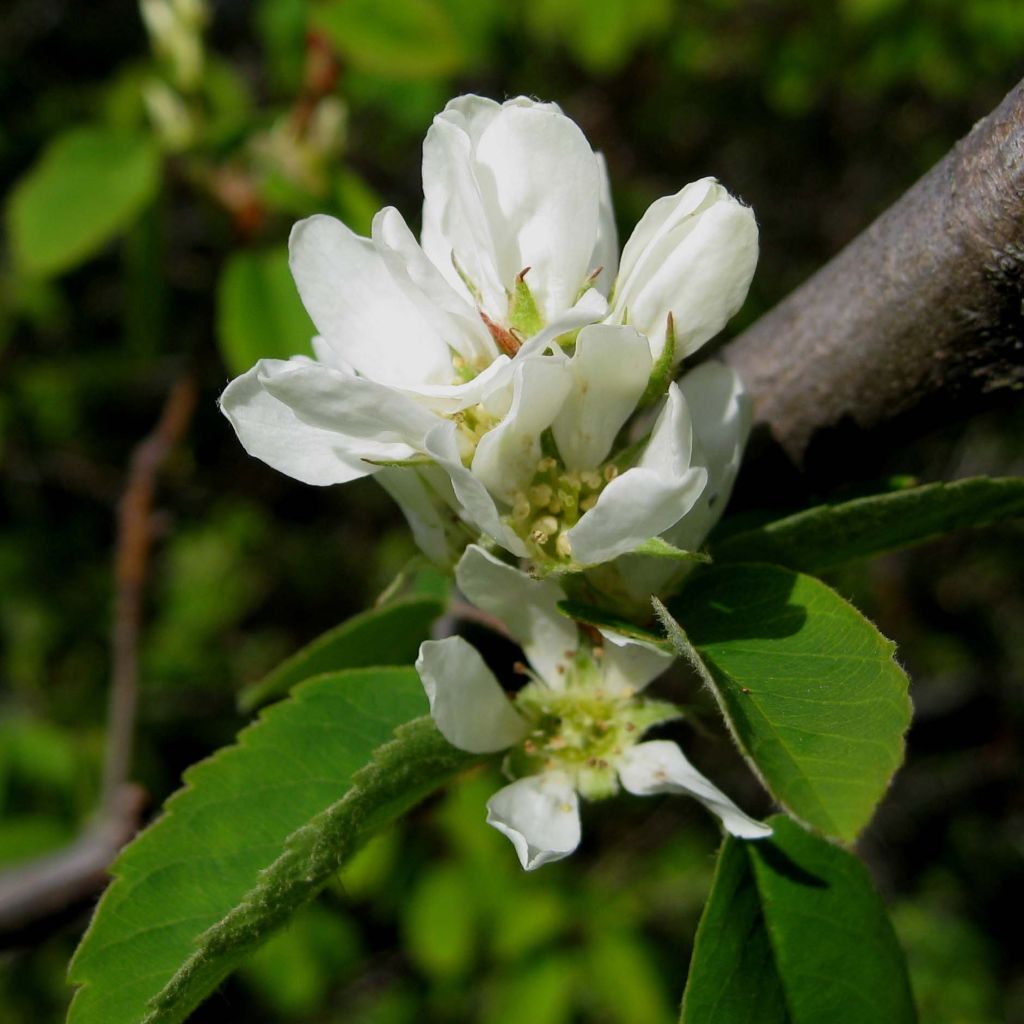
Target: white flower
{"points": [[573, 729], [486, 364]]}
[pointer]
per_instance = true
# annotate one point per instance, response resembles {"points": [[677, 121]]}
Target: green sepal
{"points": [[523, 314], [661, 372]]}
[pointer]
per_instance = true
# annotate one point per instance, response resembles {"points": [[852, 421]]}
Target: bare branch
{"points": [[134, 535], [919, 319], [34, 891]]}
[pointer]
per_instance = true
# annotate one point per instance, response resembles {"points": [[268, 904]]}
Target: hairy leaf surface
{"points": [[831, 535], [258, 829]]}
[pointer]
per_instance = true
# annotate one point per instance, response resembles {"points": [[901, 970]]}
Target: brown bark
{"points": [[917, 321]]}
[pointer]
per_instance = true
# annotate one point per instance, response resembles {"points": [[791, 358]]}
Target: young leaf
{"points": [[259, 312], [830, 535], [390, 635], [808, 686], [89, 185], [259, 828], [795, 933]]}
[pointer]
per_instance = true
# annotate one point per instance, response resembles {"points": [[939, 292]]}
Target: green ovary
{"points": [[582, 731]]}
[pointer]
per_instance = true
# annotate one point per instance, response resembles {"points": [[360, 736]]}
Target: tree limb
{"points": [[917, 321]]}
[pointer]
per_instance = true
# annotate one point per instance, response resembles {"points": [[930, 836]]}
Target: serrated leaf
{"points": [[259, 312], [808, 686], [831, 535], [795, 933], [389, 635], [259, 828], [89, 184]]}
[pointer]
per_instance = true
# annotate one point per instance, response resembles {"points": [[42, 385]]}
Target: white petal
{"points": [[452, 317], [540, 183], [354, 406], [721, 413], [610, 370], [606, 248], [455, 221], [527, 607], [506, 457], [697, 264], [477, 504], [630, 664], [646, 500], [269, 429], [642, 247], [468, 705], [450, 398], [362, 314], [541, 815], [661, 767], [418, 492]]}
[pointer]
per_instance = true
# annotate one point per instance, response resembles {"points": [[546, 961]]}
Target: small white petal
{"points": [[452, 317], [641, 250], [540, 815], [468, 705], [720, 409], [630, 664], [540, 182], [526, 606], [506, 457], [693, 262], [455, 221], [477, 504], [425, 496], [271, 430], [646, 500], [354, 406], [606, 249], [610, 369], [362, 314], [661, 767]]}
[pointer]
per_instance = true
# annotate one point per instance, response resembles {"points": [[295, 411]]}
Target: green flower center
{"points": [[582, 730], [552, 504]]}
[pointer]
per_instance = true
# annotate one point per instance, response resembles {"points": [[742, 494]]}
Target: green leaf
{"points": [[89, 184], [795, 933], [259, 312], [390, 635], [258, 829], [399, 39], [808, 686], [658, 547], [830, 535]]}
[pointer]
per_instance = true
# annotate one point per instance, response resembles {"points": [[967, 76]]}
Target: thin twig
{"points": [[34, 891], [135, 534]]}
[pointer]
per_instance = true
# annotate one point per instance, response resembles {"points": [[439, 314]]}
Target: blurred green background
{"points": [[150, 178]]}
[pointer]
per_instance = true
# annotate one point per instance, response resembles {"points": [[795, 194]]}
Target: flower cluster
{"points": [[506, 356], [513, 383]]}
